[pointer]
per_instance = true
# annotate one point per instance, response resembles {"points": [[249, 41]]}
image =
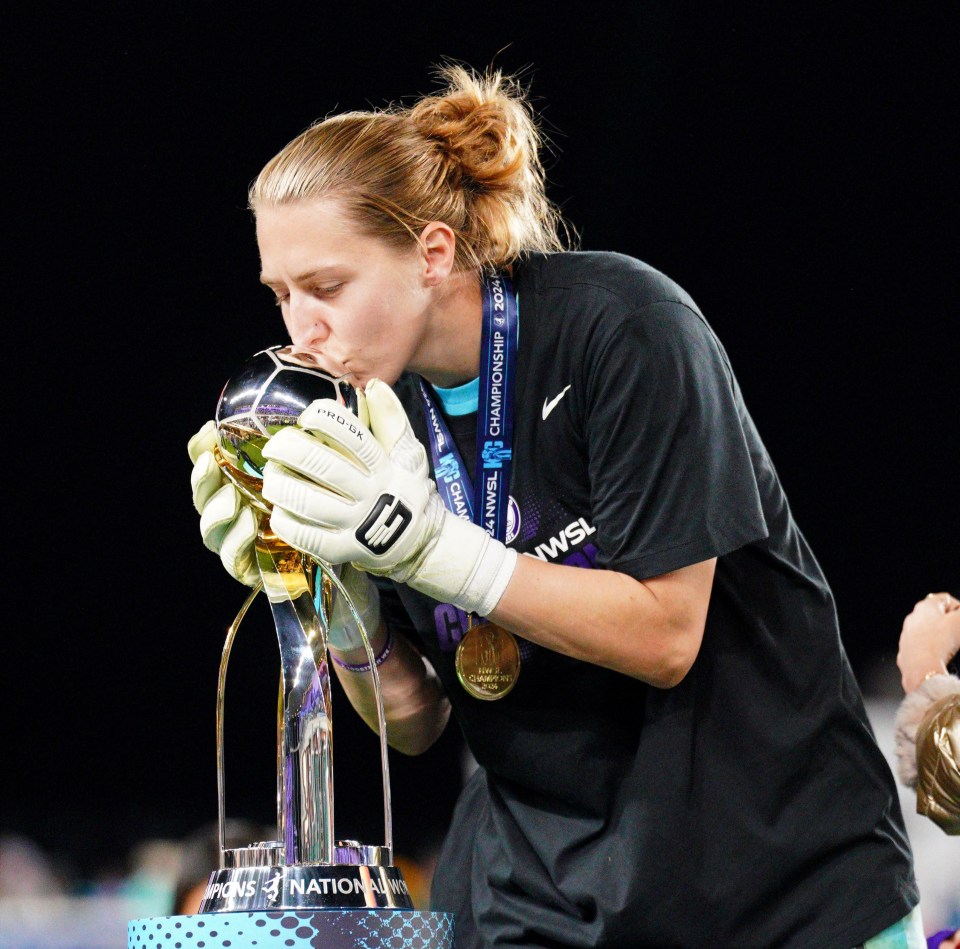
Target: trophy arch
{"points": [[306, 867]]}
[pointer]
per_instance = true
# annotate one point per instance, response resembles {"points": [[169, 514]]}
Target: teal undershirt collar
{"points": [[460, 400]]}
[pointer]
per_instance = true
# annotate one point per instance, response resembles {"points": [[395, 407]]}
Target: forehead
{"points": [[315, 221], [308, 238], [310, 235]]}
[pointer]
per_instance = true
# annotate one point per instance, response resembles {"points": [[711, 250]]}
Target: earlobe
{"points": [[438, 245]]}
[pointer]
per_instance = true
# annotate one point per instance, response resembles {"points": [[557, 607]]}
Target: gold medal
{"points": [[488, 661]]}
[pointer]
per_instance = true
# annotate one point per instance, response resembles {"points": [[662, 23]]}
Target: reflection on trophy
{"points": [[270, 889]]}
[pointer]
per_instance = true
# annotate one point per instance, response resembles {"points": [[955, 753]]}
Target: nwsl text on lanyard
{"points": [[484, 502]]}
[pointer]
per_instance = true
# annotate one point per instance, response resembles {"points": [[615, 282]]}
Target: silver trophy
{"points": [[306, 867]]}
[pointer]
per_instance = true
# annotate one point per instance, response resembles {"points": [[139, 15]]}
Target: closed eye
{"points": [[322, 292]]}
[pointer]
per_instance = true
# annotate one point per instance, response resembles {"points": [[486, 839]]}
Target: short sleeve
{"points": [[669, 455]]}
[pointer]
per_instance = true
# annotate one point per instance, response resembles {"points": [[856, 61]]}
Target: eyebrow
{"points": [[299, 278]]}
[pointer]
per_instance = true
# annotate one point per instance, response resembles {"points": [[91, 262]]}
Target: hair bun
{"points": [[482, 124]]}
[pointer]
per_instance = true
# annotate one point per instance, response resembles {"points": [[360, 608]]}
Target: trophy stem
{"points": [[305, 767]]}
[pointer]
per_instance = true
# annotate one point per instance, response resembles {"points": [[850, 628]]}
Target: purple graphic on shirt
{"points": [[585, 557], [451, 625]]}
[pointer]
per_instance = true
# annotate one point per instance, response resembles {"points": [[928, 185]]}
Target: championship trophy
{"points": [[305, 888]]}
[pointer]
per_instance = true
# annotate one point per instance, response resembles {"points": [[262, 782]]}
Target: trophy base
{"points": [[301, 929], [311, 887]]}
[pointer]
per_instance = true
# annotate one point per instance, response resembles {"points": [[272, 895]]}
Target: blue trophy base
{"points": [[300, 929]]}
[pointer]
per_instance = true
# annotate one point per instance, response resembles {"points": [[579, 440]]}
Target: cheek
{"points": [[385, 325]]}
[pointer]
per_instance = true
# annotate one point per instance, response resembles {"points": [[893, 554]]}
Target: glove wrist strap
{"points": [[490, 579]]}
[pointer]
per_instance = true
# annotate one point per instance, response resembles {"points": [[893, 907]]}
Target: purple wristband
{"points": [[380, 658]]}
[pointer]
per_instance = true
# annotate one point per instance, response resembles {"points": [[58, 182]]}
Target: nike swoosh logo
{"points": [[550, 404]]}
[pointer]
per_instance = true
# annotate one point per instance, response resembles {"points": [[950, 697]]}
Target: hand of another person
{"points": [[346, 493], [929, 639], [228, 524]]}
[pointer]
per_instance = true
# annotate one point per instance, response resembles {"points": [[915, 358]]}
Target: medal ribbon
{"points": [[486, 499]]}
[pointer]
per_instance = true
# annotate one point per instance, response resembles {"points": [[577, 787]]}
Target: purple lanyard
{"points": [[485, 500]]}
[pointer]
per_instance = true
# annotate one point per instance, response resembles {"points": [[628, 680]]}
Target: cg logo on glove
{"points": [[384, 525]]}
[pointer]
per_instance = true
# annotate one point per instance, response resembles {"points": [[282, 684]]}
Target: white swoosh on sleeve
{"points": [[550, 404]]}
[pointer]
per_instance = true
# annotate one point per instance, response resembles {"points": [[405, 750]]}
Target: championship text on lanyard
{"points": [[498, 356], [486, 500]]}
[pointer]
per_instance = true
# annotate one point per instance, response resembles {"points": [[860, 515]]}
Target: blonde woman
{"points": [[581, 548]]}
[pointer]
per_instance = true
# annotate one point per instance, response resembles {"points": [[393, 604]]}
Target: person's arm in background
{"points": [[928, 720]]}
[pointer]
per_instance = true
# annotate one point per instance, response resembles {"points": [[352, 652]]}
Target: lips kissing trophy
{"points": [[305, 889]]}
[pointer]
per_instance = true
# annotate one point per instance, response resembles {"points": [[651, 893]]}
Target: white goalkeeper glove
{"points": [[228, 524], [346, 493]]}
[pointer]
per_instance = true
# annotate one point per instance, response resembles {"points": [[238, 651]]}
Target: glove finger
{"points": [[218, 514], [323, 543], [205, 480], [362, 414], [308, 500], [203, 441], [391, 427], [337, 426], [314, 459], [238, 548], [388, 420]]}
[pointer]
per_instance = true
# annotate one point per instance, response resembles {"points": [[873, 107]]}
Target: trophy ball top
{"points": [[267, 393]]}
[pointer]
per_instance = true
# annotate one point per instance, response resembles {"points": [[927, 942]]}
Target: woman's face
{"points": [[351, 301]]}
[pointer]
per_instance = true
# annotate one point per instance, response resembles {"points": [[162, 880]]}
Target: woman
{"points": [[672, 747]]}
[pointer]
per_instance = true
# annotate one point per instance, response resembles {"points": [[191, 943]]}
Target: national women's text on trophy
{"points": [[306, 888]]}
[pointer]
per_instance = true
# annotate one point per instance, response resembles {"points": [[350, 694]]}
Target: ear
{"points": [[438, 246]]}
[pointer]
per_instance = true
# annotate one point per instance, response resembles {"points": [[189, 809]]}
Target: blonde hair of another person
{"points": [[469, 157]]}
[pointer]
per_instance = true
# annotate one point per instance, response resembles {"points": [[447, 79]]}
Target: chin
{"points": [[360, 380]]}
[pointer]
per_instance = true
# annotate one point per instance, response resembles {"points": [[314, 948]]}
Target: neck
{"points": [[450, 353]]}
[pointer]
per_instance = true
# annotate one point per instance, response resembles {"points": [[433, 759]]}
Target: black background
{"points": [[789, 168]]}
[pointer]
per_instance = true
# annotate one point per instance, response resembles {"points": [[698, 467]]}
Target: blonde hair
{"points": [[468, 157]]}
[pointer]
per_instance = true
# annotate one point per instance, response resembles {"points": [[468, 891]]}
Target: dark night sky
{"points": [[789, 168]]}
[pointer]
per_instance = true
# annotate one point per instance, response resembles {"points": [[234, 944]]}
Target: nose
{"points": [[306, 324]]}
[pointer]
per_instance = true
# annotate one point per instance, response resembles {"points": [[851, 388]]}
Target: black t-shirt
{"points": [[749, 806]]}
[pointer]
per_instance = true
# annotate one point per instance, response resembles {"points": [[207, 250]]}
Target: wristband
{"points": [[379, 659]]}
